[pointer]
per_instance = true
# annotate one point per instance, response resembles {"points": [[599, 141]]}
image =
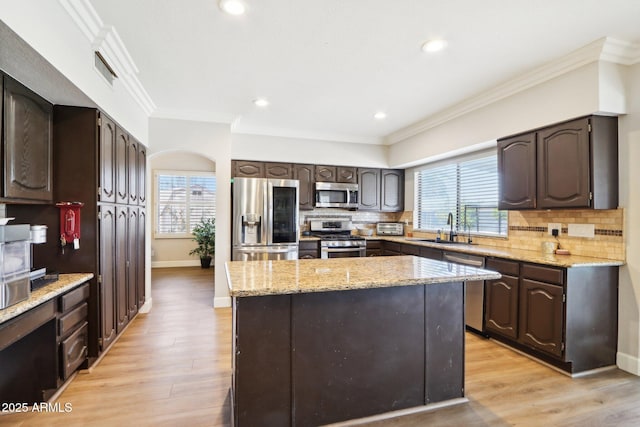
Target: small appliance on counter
{"points": [[38, 276], [390, 229], [15, 262]]}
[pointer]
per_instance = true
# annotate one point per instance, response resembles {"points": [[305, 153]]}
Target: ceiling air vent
{"points": [[104, 68]]}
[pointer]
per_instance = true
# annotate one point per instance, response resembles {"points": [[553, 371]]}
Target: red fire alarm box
{"points": [[70, 222]]}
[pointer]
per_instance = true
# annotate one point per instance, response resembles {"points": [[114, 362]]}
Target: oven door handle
{"points": [[351, 249]]}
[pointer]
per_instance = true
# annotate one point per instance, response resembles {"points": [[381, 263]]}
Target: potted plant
{"points": [[204, 234]]}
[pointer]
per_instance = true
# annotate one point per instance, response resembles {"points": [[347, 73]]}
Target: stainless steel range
{"points": [[336, 240]]}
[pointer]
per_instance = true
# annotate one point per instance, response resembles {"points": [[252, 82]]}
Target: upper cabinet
{"points": [[247, 169], [305, 174], [572, 164], [392, 190], [346, 174], [325, 173], [27, 144], [278, 170], [369, 189]]}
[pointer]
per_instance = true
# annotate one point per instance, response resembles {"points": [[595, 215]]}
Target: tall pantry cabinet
{"points": [[100, 164]]}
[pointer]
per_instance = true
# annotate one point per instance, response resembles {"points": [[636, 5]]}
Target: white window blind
{"points": [[467, 188], [183, 199]]}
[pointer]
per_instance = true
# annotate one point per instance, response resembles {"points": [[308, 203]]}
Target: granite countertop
{"points": [[64, 283], [514, 254], [258, 278]]}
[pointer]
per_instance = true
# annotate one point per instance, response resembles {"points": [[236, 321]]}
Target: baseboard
{"points": [[169, 264], [628, 363], [220, 302], [146, 307]]}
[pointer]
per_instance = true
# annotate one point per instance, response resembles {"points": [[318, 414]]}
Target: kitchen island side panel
{"points": [[262, 361], [444, 317], [357, 353]]}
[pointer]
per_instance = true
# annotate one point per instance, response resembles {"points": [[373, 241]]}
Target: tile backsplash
{"points": [[528, 229]]}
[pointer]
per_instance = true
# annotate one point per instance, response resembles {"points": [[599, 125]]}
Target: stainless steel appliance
{"points": [[265, 219], [336, 240], [336, 195], [15, 262], [474, 291], [390, 229]]}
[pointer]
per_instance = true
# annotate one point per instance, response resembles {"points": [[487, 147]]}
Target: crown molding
{"points": [[105, 39], [193, 115], [303, 134], [607, 49]]}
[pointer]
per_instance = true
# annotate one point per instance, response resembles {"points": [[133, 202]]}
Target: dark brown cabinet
{"points": [[346, 174], [27, 144], [517, 169], [369, 189], [325, 173], [107, 160], [132, 171], [541, 316], [309, 249], [122, 309], [501, 298], [141, 175], [121, 173], [107, 275], [247, 169], [564, 316], [73, 330], [374, 248], [575, 166], [431, 253], [392, 190], [306, 175], [278, 170]]}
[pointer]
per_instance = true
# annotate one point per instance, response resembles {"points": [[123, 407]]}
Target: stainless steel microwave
{"points": [[336, 195]]}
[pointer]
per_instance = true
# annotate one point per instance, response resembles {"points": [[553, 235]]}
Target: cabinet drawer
{"points": [[308, 245], [431, 253], [73, 318], [543, 274], [392, 247], [74, 351], [374, 244], [75, 297], [503, 266], [411, 250]]}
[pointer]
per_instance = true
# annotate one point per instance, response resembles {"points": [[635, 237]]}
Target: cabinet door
{"points": [[278, 170], [107, 277], [122, 313], [564, 165], [517, 172], [325, 173], [392, 191], [132, 171], [142, 175], [107, 161], [132, 262], [305, 174], [369, 189], [121, 148], [541, 316], [141, 260], [501, 306], [431, 253], [247, 169], [346, 174], [27, 143]]}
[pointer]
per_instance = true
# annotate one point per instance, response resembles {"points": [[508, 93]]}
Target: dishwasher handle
{"points": [[471, 261]]}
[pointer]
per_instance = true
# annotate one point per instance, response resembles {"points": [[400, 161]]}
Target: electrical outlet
{"points": [[581, 230], [553, 225]]}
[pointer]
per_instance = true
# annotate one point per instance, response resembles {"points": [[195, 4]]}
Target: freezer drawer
{"points": [[265, 253]]}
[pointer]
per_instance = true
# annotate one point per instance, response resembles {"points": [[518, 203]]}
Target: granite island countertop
{"points": [[65, 283], [260, 278]]}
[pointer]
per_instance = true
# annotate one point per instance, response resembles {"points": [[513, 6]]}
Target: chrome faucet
{"points": [[452, 234]]}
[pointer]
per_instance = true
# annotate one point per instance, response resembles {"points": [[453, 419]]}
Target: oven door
{"points": [[342, 252]]}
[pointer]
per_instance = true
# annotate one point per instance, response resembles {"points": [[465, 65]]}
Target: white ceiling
{"points": [[327, 66]]}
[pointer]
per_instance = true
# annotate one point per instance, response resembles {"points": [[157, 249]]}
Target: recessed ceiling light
{"points": [[434, 45], [380, 115], [260, 102], [232, 7]]}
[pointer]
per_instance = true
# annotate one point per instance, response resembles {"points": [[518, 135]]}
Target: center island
{"points": [[325, 341]]}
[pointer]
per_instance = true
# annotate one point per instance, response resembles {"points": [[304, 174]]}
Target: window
{"points": [[466, 187], [183, 199]]}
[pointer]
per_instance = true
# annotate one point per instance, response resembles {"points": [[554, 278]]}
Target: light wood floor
{"points": [[172, 367]]}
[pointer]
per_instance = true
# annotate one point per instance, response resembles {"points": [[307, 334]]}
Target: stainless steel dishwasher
{"points": [[474, 290]]}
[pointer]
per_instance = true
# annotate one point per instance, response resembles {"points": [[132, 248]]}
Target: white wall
{"points": [[171, 252], [629, 285], [298, 150], [49, 29], [213, 141]]}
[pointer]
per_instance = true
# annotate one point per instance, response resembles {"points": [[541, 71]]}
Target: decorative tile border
{"points": [[565, 230]]}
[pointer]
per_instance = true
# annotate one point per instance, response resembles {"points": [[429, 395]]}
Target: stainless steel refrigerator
{"points": [[265, 219]]}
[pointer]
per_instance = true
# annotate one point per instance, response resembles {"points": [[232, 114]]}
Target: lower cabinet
{"points": [[564, 316], [308, 249], [374, 248], [73, 329]]}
